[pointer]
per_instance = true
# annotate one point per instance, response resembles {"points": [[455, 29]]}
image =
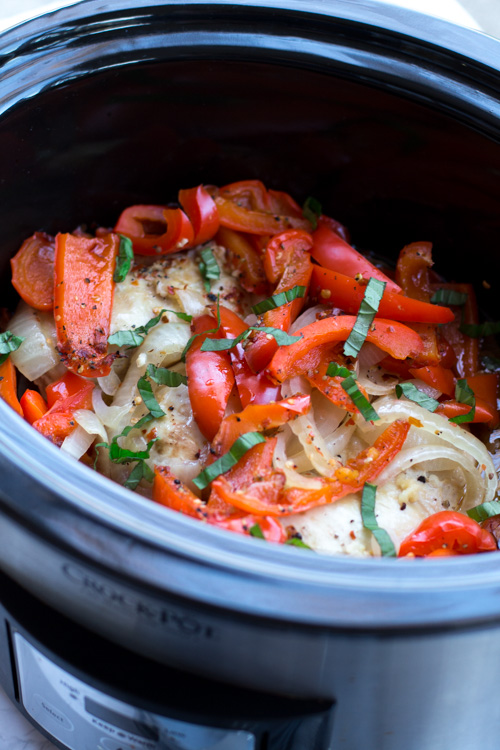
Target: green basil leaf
{"points": [[124, 259], [367, 311], [181, 315], [135, 336], [127, 338], [366, 409], [281, 337], [334, 369], [229, 459], [312, 210], [464, 395], [296, 542], [9, 343], [491, 363], [163, 376], [370, 522], [123, 456], [137, 426], [449, 297], [488, 328], [413, 393], [484, 511], [150, 402], [209, 268], [256, 531], [277, 300], [140, 471]]}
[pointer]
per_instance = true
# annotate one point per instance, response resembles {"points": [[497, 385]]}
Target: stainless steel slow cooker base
{"points": [[394, 123]]}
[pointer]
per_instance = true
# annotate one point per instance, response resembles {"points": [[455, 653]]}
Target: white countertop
{"points": [[15, 732]]}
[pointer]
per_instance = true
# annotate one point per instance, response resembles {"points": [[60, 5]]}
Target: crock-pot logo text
{"points": [[154, 614]]}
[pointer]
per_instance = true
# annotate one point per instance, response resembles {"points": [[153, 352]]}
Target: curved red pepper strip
{"points": [[172, 493], [245, 259], [253, 388], [448, 530], [83, 301], [202, 213], [65, 396], [155, 230], [334, 253], [258, 418], [287, 260], [351, 478], [336, 289], [210, 378], [389, 335], [33, 271], [8, 385]]}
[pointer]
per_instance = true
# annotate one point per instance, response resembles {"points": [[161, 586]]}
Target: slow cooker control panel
{"points": [[83, 718]]}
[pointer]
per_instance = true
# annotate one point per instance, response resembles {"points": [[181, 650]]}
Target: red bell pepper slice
{"points": [[8, 385], [245, 259], [351, 478], [33, 271], [437, 377], [202, 213], [65, 396], [336, 289], [258, 418], [447, 530], [172, 493], [330, 387], [484, 413], [253, 388], [247, 207], [287, 259], [210, 378], [389, 335], [466, 348], [155, 230], [83, 301], [485, 387], [334, 253], [33, 405]]}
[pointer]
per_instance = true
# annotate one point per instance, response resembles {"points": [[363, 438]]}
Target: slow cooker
{"points": [[126, 625]]}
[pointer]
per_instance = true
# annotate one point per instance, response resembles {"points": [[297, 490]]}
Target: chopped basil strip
{"points": [[163, 376], [136, 336], [146, 391], [312, 210], [9, 343], [415, 394], [491, 363], [370, 522], [219, 345], [449, 297], [256, 531], [277, 300], [181, 315], [122, 455], [367, 311], [334, 369], [209, 268], [296, 542], [484, 511], [464, 395], [229, 459], [137, 426], [140, 471], [366, 409], [124, 259], [488, 328]]}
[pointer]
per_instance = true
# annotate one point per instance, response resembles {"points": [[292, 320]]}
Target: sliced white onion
{"points": [[77, 443], [284, 463], [375, 381], [369, 355], [389, 409], [425, 388], [113, 417], [109, 384], [37, 354], [91, 423], [307, 317], [192, 302]]}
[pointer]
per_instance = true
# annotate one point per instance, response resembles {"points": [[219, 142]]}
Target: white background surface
{"points": [[15, 732]]}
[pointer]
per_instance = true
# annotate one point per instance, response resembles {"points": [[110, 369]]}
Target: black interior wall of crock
{"points": [[394, 171]]}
